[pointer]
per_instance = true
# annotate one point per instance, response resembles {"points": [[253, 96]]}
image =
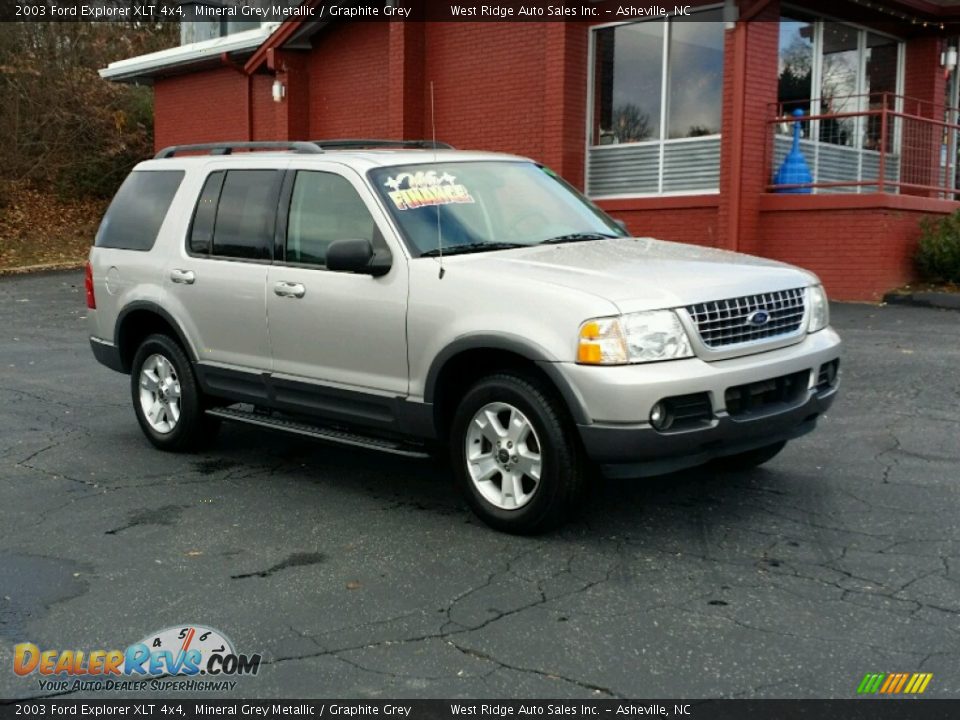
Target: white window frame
{"points": [[662, 141]]}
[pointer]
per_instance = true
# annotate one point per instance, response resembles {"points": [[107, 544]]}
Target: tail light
{"points": [[88, 286]]}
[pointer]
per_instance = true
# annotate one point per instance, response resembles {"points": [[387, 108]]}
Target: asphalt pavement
{"points": [[358, 575]]}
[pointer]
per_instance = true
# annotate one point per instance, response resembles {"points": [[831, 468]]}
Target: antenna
{"points": [[433, 128]]}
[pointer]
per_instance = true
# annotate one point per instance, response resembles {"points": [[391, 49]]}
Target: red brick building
{"points": [[670, 124]]}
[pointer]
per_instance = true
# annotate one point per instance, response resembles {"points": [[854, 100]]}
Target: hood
{"points": [[641, 273]]}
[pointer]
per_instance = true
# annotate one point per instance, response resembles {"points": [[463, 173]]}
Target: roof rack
{"points": [[358, 143], [226, 148]]}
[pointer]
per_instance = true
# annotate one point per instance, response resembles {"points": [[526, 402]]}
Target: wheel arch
{"points": [[141, 319], [467, 359]]}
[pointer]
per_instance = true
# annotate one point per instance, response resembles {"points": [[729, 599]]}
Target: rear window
{"points": [[243, 227], [138, 209]]}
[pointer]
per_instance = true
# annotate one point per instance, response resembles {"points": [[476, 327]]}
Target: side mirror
{"points": [[622, 224], [356, 256]]}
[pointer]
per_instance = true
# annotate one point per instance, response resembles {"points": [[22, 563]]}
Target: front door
{"points": [[338, 339]]}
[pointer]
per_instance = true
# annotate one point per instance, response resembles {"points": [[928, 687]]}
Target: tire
{"points": [[751, 458], [519, 410], [160, 373]]}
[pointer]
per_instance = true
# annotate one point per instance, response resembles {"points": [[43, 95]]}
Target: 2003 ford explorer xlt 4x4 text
{"points": [[406, 297]]}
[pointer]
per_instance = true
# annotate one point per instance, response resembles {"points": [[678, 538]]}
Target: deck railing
{"points": [[870, 143]]}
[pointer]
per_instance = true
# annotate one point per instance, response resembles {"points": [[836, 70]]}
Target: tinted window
{"points": [[201, 229], [245, 215], [138, 209], [323, 208]]}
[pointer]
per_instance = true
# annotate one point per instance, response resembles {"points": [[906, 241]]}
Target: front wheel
{"points": [[751, 458], [516, 456], [167, 398]]}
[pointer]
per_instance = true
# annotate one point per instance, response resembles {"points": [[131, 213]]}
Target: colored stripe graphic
{"points": [[918, 683], [900, 683], [871, 683], [894, 683]]}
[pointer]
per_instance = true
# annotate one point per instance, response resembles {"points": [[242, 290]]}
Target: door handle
{"points": [[184, 277], [289, 289]]}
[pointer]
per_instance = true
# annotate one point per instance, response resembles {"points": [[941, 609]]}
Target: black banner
{"points": [[932, 19], [864, 709]]}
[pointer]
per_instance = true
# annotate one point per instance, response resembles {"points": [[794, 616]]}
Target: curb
{"points": [[946, 301], [49, 267]]}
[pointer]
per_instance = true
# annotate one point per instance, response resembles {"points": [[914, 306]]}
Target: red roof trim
{"points": [[277, 39]]}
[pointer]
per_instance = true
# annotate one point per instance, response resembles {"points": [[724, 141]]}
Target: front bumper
{"points": [[622, 441], [641, 451]]}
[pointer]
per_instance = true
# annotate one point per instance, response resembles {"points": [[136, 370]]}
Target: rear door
{"points": [[342, 334], [215, 282]]}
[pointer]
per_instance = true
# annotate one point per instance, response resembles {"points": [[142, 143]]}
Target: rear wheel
{"points": [[166, 397], [750, 458], [516, 456]]}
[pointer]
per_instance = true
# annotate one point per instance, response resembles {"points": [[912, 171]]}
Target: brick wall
{"points": [[860, 246], [348, 72], [565, 99], [750, 85], [870, 251], [689, 219], [268, 116], [924, 87], [697, 226], [200, 107], [488, 85]]}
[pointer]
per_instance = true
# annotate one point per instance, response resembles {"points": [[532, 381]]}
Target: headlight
{"points": [[634, 338], [819, 308]]}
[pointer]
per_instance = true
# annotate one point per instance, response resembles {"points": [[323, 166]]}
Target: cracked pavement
{"points": [[365, 576]]}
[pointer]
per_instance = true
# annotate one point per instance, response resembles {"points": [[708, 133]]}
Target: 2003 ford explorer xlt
{"points": [[403, 299]]}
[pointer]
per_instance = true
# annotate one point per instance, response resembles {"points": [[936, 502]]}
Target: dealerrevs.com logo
{"points": [[187, 658]]}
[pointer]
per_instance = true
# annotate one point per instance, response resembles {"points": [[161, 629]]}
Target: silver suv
{"points": [[419, 298]]}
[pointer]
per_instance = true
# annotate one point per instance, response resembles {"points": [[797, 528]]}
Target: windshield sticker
{"points": [[410, 191]]}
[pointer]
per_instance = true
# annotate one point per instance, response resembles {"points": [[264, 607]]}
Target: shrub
{"points": [[938, 255]]}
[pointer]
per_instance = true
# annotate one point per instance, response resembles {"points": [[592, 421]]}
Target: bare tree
{"points": [[631, 123], [62, 126]]}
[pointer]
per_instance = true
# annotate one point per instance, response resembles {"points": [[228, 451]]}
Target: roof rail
{"points": [[360, 143], [226, 148]]}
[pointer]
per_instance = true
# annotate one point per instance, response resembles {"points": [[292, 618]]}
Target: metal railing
{"points": [[869, 143]]}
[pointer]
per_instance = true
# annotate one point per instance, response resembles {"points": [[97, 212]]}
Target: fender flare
{"points": [[517, 345], [156, 309]]}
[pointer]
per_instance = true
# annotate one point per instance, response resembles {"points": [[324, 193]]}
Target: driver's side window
{"points": [[325, 207]]}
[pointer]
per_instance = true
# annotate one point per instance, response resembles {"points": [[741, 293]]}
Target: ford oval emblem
{"points": [[758, 318]]}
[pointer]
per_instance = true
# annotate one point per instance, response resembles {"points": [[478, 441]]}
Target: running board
{"points": [[318, 433]]}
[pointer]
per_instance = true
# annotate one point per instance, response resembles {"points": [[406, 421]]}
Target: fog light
{"points": [[658, 416], [832, 372]]}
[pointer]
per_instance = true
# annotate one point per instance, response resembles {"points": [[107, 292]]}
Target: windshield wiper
{"points": [[472, 248], [576, 237]]}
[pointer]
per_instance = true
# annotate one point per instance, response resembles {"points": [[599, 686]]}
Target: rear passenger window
{"points": [[201, 229], [244, 222], [325, 207], [138, 209]]}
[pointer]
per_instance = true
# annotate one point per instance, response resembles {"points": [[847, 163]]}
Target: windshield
{"points": [[487, 205]]}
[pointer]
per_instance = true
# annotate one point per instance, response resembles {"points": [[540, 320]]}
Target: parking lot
{"points": [[361, 575]]}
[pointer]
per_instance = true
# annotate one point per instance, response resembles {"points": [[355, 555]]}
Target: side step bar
{"points": [[318, 433]]}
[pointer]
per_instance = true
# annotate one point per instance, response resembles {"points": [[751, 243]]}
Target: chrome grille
{"points": [[727, 322]]}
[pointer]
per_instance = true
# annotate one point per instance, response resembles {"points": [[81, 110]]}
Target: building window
{"points": [[843, 75], [657, 91]]}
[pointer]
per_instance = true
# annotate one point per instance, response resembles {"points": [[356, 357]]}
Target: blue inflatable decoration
{"points": [[794, 170]]}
